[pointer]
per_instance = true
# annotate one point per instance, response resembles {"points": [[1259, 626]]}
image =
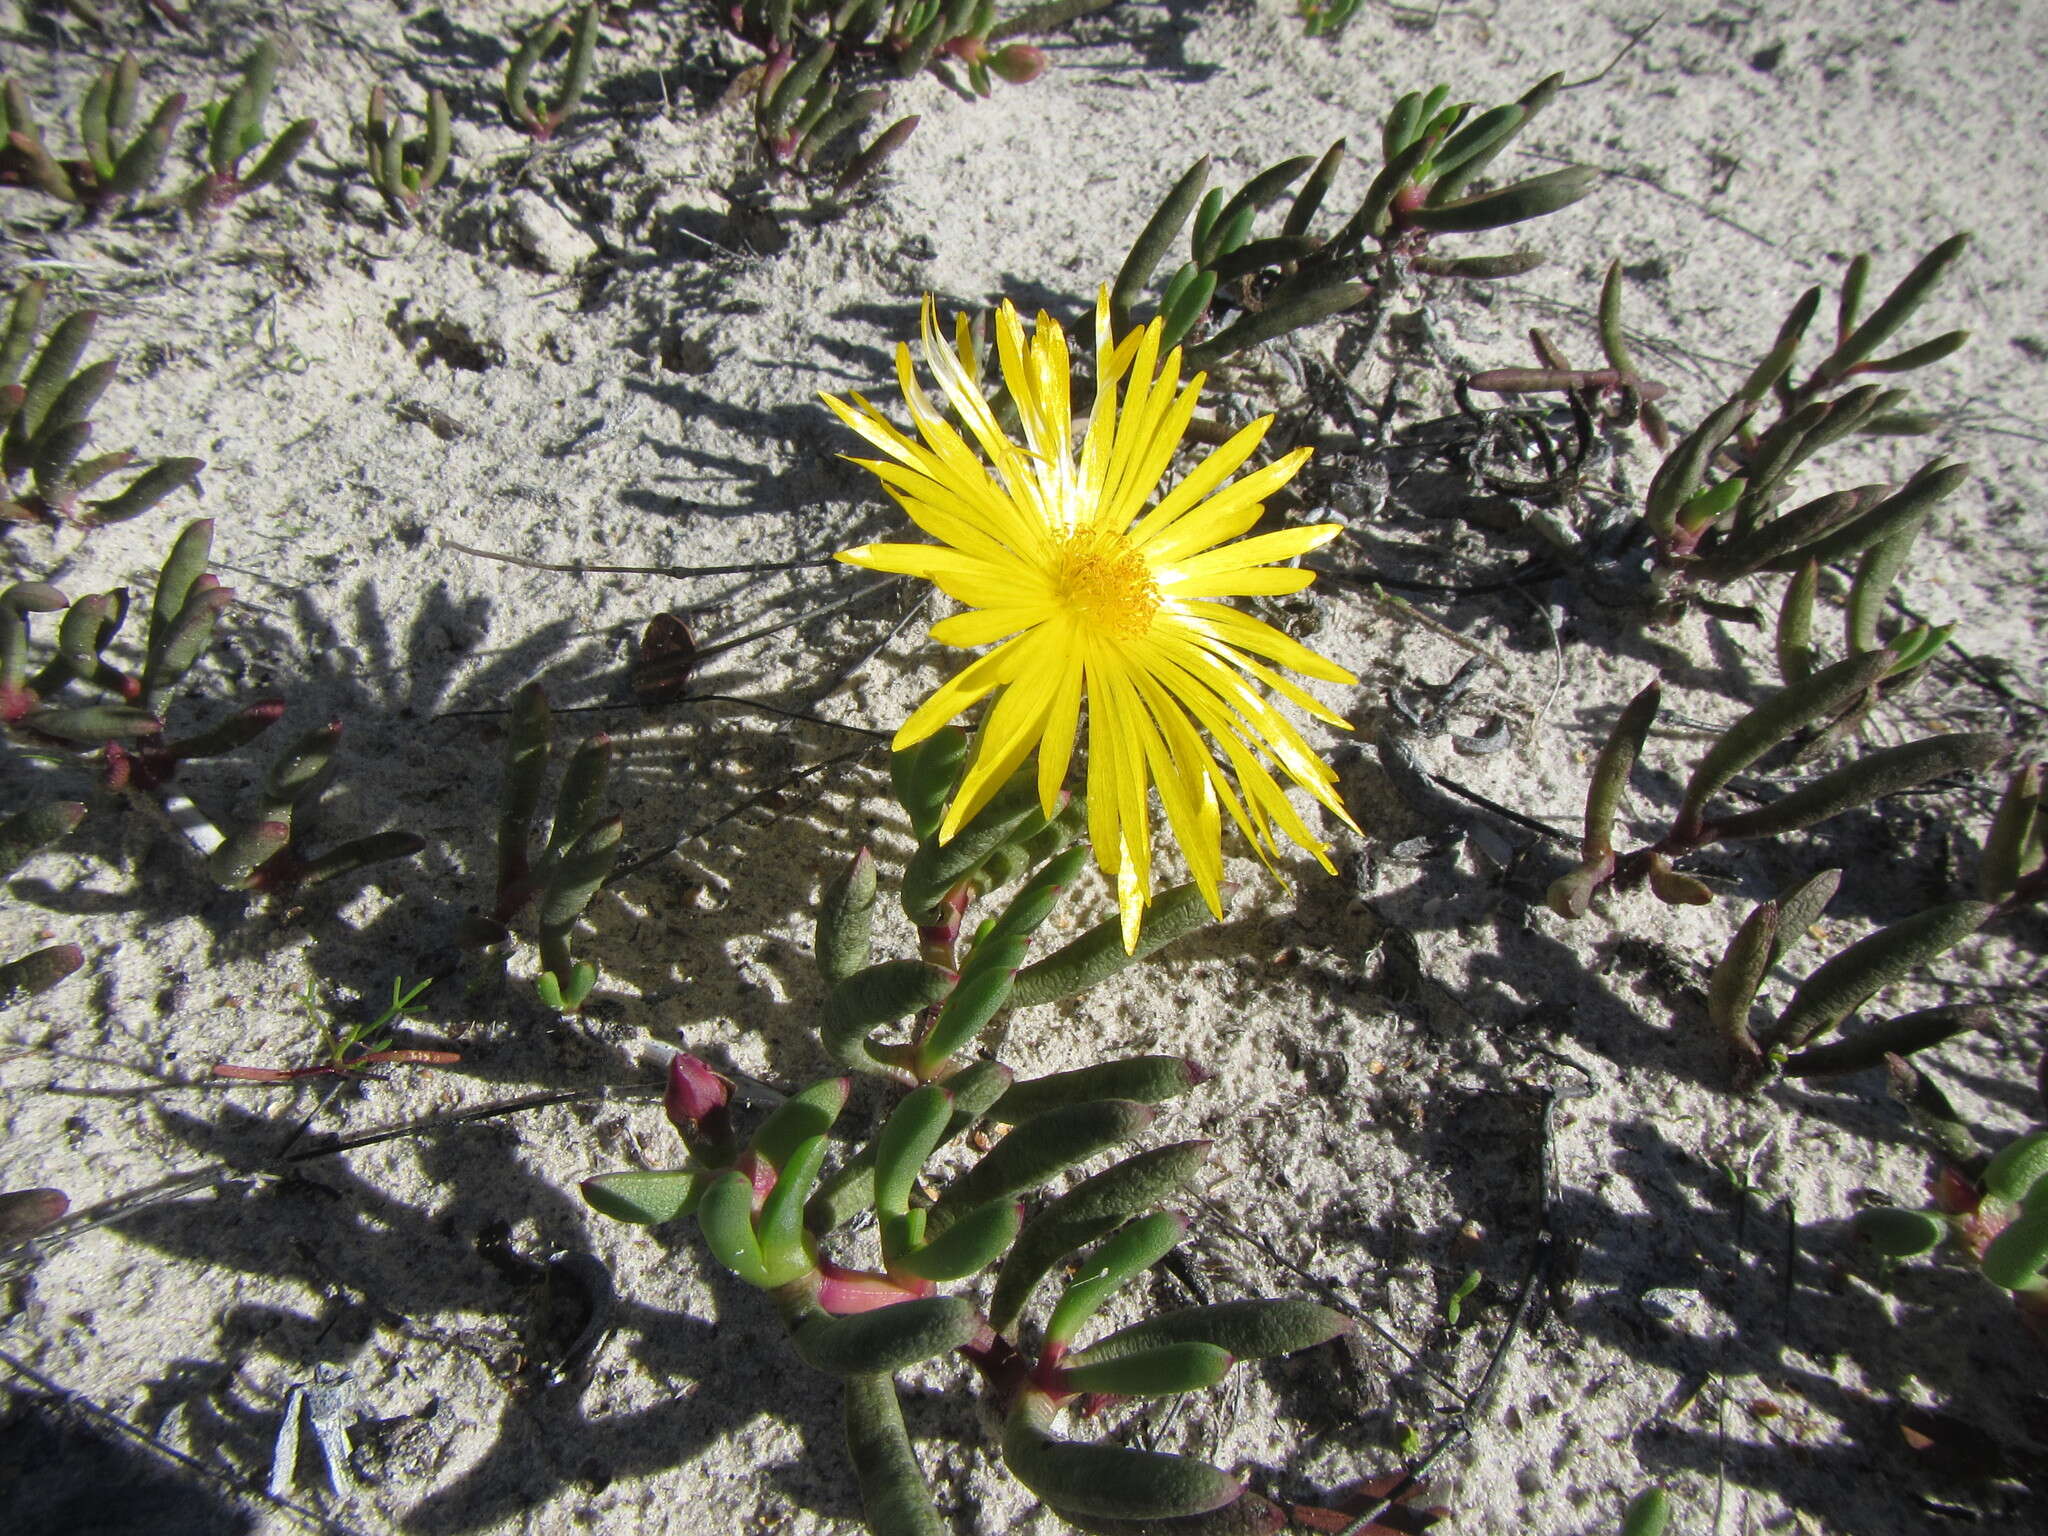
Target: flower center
{"points": [[1101, 578]]}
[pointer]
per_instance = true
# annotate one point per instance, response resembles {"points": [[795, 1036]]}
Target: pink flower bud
{"points": [[695, 1093]]}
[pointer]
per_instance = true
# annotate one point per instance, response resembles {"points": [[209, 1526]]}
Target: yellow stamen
{"points": [[1106, 582]]}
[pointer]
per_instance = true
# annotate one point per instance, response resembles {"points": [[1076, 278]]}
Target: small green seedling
{"points": [[115, 166], [234, 131], [582, 848], [404, 171], [520, 106], [351, 1050]]}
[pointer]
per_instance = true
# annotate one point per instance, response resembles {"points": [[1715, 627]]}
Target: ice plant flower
{"points": [[1097, 596]]}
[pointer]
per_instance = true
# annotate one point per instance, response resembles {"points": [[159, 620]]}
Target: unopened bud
{"points": [[1020, 63]]}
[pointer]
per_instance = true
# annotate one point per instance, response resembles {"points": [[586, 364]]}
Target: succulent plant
{"points": [[1432, 150], [114, 166], [766, 1204], [234, 131], [404, 171], [46, 403], [541, 124], [581, 850], [122, 721]]}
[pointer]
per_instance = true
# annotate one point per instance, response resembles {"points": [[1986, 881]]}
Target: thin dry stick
{"points": [[580, 568]]}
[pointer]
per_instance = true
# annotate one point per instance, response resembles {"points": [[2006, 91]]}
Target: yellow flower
{"points": [[1095, 596]]}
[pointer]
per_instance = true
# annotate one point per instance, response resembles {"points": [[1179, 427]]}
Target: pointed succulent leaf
{"points": [[1647, 1514], [358, 854], [985, 986], [1871, 777], [780, 1225], [894, 1497], [579, 803], [645, 1198], [1139, 1079], [799, 1119], [1091, 1209], [1898, 307], [1131, 1250], [2016, 1257], [1778, 361], [937, 867], [1037, 1150], [1165, 1370], [1249, 1330], [846, 917], [725, 1211], [909, 1137], [1793, 642], [1844, 983], [1513, 204], [1288, 312], [1106, 1480], [143, 492], [888, 1338], [1902, 1036], [52, 372], [1309, 200], [1904, 508], [1099, 953], [1898, 1233], [1611, 769], [2020, 1164], [1799, 908], [1736, 979], [236, 863], [1785, 712], [2013, 848], [968, 1246], [584, 867]]}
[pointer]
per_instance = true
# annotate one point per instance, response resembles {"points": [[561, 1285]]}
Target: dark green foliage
{"points": [[765, 1207], [46, 402], [581, 850], [1281, 282]]}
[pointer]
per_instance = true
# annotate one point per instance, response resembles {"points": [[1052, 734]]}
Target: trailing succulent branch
{"points": [[581, 850], [1818, 700], [234, 131], [79, 704], [46, 403], [1432, 154], [768, 1203], [1713, 511], [121, 156]]}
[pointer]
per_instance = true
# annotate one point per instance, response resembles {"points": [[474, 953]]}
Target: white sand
{"points": [[1379, 1129]]}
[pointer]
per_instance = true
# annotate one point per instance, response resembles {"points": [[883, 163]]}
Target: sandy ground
{"points": [[1385, 1043]]}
